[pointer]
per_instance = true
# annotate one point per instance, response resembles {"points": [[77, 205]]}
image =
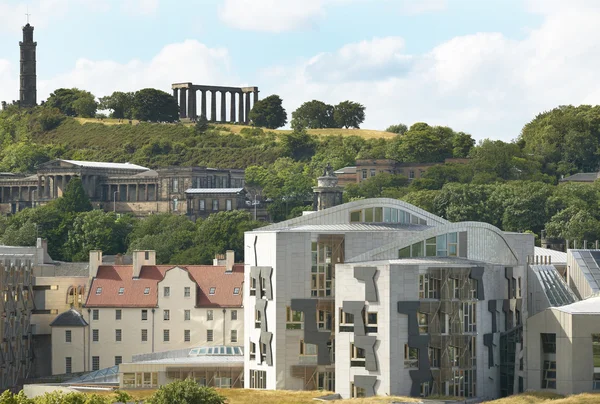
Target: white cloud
{"points": [[485, 83], [9, 85], [271, 15], [140, 7], [412, 7]]}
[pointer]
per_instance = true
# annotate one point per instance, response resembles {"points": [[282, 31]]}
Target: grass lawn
{"points": [[548, 398], [364, 133]]}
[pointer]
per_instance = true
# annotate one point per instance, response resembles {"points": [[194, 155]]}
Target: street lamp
{"points": [[33, 198], [115, 201]]}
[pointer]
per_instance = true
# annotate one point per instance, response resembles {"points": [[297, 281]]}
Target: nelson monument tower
{"points": [[28, 91]]}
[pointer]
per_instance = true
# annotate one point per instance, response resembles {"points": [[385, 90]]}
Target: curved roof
{"points": [[70, 318], [341, 214]]}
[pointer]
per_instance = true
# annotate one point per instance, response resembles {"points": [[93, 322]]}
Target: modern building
{"points": [[146, 308], [130, 188], [379, 297]]}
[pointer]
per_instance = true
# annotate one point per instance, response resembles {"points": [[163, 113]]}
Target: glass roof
{"points": [[588, 262], [216, 350], [102, 375], [555, 288]]}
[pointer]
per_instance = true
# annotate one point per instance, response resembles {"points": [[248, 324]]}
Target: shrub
{"points": [[186, 392]]}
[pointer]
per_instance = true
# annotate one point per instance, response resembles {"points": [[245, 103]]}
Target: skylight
{"points": [[98, 291], [147, 291], [212, 291], [121, 290]]}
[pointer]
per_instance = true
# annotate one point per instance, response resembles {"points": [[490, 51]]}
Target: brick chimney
{"points": [[141, 258], [229, 260], [95, 262]]}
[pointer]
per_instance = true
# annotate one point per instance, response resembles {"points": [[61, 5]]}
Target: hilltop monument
{"points": [[28, 79]]}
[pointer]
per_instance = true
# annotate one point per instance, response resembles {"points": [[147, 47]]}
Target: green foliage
{"points": [[119, 103], [24, 157], [74, 198], [374, 187], [49, 118], [436, 176], [298, 145], [122, 397], [7, 397], [201, 125], [399, 129], [313, 115], [424, 199], [349, 114], [154, 105], [73, 102], [186, 392], [268, 113]]}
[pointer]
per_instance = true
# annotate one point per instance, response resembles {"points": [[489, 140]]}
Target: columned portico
{"points": [[213, 105]]}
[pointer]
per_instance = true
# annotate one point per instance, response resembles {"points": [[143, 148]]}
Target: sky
{"points": [[485, 67]]}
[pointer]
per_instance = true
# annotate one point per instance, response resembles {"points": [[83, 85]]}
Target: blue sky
{"points": [[481, 66]]}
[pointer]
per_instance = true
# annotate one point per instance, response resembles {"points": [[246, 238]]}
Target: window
{"points": [[356, 216], [445, 245], [146, 291], [364, 174], [95, 314], [431, 247], [473, 288], [166, 291], [118, 314], [144, 315], [455, 288], [549, 343], [596, 353], [166, 335], [118, 335], [294, 319], [209, 335], [68, 365], [166, 315], [469, 317], [357, 392], [236, 291], [187, 291], [175, 185], [186, 315], [423, 323], [252, 350], [322, 270], [452, 244], [212, 291], [307, 349], [228, 204], [95, 363], [519, 290], [411, 175], [257, 319], [429, 286], [146, 255], [258, 379], [425, 389], [144, 335], [371, 322], [233, 335], [346, 318], [411, 357], [98, 291], [121, 290], [187, 335], [357, 356], [95, 335], [373, 172], [549, 375], [434, 357], [209, 315], [234, 314], [68, 336], [252, 286], [201, 204], [324, 320], [215, 204], [453, 356], [175, 205], [118, 360]]}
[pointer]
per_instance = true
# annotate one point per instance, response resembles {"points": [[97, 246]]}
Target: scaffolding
{"points": [[16, 305], [447, 312]]}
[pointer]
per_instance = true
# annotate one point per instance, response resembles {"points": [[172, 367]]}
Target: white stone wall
{"points": [[74, 349]]}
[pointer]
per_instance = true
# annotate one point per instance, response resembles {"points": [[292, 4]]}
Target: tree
{"points": [[186, 392], [201, 124], [74, 198], [73, 102], [400, 129], [422, 144], [23, 157], [119, 103], [154, 105], [375, 186], [349, 114], [313, 115], [299, 145], [268, 113]]}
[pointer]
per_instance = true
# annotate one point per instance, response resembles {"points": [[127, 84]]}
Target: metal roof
{"points": [[70, 318], [581, 177], [555, 288], [98, 164], [588, 262], [557, 257], [587, 306], [357, 227], [346, 170], [214, 190]]}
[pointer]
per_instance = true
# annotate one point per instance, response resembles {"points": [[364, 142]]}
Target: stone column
{"points": [[213, 105], [223, 107], [255, 92], [175, 91], [232, 107], [191, 103], [203, 108], [241, 107], [146, 192], [64, 184], [39, 186], [247, 108], [46, 186], [137, 190], [182, 103]]}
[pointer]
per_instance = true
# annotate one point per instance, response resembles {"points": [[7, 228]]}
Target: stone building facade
{"points": [[129, 188]]}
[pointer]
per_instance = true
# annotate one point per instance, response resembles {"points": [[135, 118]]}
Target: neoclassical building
{"points": [[130, 188], [379, 297]]}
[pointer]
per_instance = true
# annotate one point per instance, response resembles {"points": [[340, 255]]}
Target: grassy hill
{"points": [[548, 398]]}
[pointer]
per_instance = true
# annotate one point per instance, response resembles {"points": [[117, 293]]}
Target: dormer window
{"points": [[98, 291], [212, 291], [121, 290], [147, 291], [236, 291]]}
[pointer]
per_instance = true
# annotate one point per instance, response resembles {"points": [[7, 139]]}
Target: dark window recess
{"points": [[357, 364], [346, 328], [372, 329]]}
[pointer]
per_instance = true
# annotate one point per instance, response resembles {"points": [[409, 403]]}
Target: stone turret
{"points": [[327, 193]]}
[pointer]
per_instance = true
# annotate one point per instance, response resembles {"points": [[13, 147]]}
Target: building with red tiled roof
{"points": [[147, 308]]}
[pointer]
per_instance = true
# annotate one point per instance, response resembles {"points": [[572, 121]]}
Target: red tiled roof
{"points": [[113, 277]]}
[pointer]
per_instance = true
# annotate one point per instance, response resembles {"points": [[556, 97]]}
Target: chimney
{"points": [[219, 260], [141, 258], [229, 260], [119, 259], [95, 262]]}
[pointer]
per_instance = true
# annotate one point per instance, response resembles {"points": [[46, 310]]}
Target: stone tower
{"points": [[327, 194], [28, 91]]}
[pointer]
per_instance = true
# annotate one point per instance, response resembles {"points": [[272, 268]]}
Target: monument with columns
{"points": [[239, 102]]}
